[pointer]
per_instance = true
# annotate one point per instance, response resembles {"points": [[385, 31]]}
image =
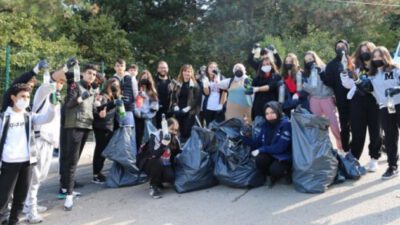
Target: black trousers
{"points": [[15, 179], [75, 141], [139, 128], [186, 123], [344, 120], [102, 138], [270, 166], [159, 173], [364, 112], [210, 115], [391, 125]]}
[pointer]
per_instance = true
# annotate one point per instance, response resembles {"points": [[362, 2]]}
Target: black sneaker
{"points": [[390, 173], [99, 179], [155, 192]]}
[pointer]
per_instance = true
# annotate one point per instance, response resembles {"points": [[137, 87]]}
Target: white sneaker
{"points": [[69, 202], [34, 218], [372, 166], [41, 209]]}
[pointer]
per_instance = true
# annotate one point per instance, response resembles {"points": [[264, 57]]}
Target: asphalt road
{"points": [[366, 201]]}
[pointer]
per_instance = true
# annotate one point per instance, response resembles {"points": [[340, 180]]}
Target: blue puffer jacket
{"points": [[274, 140]]}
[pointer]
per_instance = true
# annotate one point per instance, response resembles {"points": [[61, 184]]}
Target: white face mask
{"points": [[21, 104], [266, 69]]}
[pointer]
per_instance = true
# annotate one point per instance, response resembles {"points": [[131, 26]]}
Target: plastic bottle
{"points": [[77, 73], [121, 109], [281, 97], [299, 81], [314, 76], [46, 77], [256, 51], [390, 105]]}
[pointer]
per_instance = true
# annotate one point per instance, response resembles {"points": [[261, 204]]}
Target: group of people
{"points": [[363, 88]]}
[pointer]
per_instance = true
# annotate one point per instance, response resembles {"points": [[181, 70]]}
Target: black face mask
{"points": [[113, 89], [377, 63], [309, 65], [288, 66], [239, 73], [144, 82], [339, 52], [365, 56]]}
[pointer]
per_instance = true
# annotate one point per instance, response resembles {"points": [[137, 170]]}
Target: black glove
{"points": [[249, 91], [364, 84], [392, 91], [85, 95], [71, 62], [272, 48]]}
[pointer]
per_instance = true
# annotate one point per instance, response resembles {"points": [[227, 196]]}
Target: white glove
{"points": [[176, 108], [186, 109], [255, 153], [295, 97], [165, 142], [137, 113], [256, 89], [219, 107]]}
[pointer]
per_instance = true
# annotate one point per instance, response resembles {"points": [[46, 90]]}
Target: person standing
{"points": [[163, 85]]}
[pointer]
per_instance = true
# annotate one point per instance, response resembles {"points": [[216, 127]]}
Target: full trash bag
{"points": [[195, 165], [119, 148], [234, 165], [314, 164], [119, 176], [124, 171], [349, 167]]}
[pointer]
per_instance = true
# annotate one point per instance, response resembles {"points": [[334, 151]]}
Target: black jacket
{"points": [[261, 98], [106, 123], [331, 78]]}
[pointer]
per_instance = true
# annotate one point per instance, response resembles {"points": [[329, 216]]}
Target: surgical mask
{"points": [[22, 104], [266, 69]]}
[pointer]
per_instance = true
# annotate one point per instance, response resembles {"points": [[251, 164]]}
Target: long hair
{"points": [[211, 74], [108, 91], [151, 88], [317, 59], [274, 69], [356, 56], [295, 68], [184, 68], [387, 60]]}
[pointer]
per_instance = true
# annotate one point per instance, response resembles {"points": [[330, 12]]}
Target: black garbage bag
{"points": [[120, 176], [194, 165], [314, 164], [349, 167], [234, 165], [120, 148]]}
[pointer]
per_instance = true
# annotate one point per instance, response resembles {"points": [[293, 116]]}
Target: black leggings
{"points": [[186, 122], [159, 173], [270, 166], [102, 138], [15, 179], [391, 125]]}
